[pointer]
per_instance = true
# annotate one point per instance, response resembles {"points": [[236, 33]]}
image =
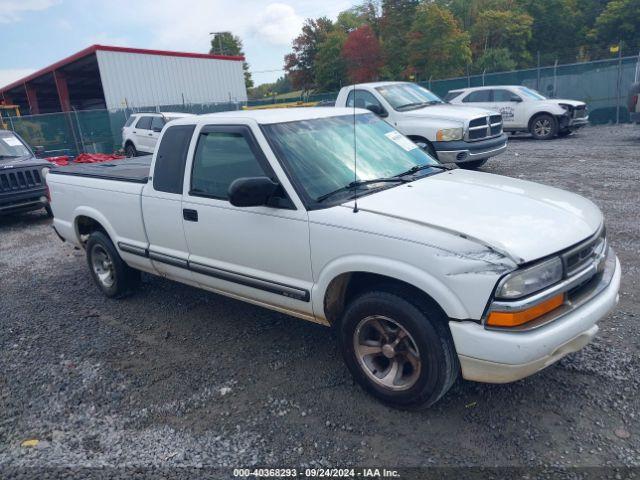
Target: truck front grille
{"points": [[485, 127], [15, 180], [579, 257]]}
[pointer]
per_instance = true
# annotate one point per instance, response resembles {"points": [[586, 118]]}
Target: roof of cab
{"points": [[277, 115]]}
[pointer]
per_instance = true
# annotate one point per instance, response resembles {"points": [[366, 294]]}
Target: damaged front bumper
{"points": [[499, 356]]}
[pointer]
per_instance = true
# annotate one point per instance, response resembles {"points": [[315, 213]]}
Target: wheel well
{"points": [[536, 115], [85, 226], [345, 287]]}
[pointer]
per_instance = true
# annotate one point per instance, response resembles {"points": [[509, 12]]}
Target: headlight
{"points": [[44, 171], [449, 134], [530, 280]]}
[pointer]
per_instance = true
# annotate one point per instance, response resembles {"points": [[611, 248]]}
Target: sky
{"points": [[37, 33]]}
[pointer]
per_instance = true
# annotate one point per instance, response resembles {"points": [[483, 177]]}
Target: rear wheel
{"points": [[130, 150], [473, 165], [543, 127], [114, 277], [400, 351]]}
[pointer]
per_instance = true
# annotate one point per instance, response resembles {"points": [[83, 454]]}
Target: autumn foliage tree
{"points": [[361, 53], [300, 63]]}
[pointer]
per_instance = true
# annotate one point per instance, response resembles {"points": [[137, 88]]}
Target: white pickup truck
{"points": [[467, 136], [425, 273]]}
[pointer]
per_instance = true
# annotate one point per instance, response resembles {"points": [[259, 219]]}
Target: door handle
{"points": [[190, 215], [150, 134]]}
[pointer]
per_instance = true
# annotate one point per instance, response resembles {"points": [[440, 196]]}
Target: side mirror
{"points": [[251, 191], [377, 109], [39, 151], [157, 129], [516, 99]]}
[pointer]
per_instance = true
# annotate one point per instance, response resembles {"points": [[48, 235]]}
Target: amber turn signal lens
{"points": [[513, 319]]}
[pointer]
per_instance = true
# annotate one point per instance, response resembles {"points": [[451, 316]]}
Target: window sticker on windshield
{"points": [[401, 140], [12, 141]]}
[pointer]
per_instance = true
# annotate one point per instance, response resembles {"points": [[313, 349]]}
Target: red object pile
{"points": [[63, 161], [96, 158]]}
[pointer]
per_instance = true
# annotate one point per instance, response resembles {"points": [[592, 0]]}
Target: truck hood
{"points": [[522, 220], [450, 112]]}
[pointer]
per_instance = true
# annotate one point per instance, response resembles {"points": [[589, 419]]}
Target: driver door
{"points": [[260, 254]]}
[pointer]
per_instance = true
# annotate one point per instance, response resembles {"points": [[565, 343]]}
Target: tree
{"points": [[397, 17], [225, 43], [300, 64], [563, 19], [438, 47], [281, 85], [354, 17], [494, 60], [361, 52], [510, 29], [620, 20], [330, 67]]}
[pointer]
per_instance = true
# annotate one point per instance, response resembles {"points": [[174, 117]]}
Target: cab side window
{"points": [[362, 99], [171, 158], [144, 123], [478, 96], [221, 158]]}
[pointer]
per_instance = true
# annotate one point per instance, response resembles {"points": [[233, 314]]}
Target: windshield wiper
{"points": [[10, 156], [416, 105], [418, 168], [358, 184]]}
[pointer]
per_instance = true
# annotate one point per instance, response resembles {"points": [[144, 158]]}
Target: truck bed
{"points": [[134, 170]]}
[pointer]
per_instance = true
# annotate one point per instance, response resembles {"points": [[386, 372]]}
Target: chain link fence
{"points": [[602, 84]]}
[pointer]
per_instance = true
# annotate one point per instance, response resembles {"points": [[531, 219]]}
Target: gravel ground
{"points": [[175, 376]]}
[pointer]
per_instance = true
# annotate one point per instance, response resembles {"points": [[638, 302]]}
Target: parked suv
{"points": [[466, 136], [525, 110], [141, 132], [22, 185]]}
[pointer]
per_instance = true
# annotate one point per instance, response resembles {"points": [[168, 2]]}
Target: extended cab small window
{"points": [[478, 96], [144, 123], [221, 158], [168, 172]]}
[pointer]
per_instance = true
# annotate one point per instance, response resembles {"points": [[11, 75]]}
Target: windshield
{"points": [[406, 96], [532, 94], [11, 146], [318, 153]]}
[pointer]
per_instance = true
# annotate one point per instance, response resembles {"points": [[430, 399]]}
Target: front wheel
{"points": [[112, 276], [400, 351], [544, 127]]}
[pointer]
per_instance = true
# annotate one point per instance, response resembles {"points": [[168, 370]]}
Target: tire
{"points": [[112, 276], [425, 358], [473, 164], [543, 127], [47, 208], [130, 150]]}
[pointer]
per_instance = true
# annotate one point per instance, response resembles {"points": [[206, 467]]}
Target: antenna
{"points": [[355, 155]]}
